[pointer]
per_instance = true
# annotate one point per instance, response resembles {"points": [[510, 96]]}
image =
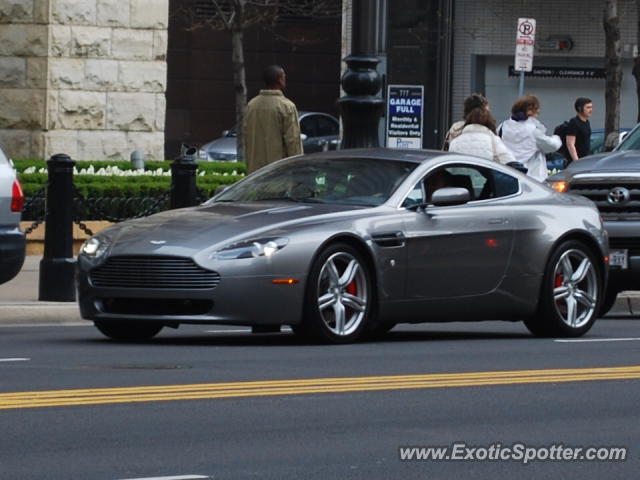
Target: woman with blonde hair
{"points": [[526, 137], [478, 137]]}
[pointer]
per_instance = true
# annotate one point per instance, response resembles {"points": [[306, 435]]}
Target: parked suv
{"points": [[612, 181], [12, 241]]}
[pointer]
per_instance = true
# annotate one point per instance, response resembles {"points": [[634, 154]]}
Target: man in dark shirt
{"points": [[579, 130]]}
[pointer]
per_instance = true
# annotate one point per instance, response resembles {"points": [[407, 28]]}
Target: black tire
{"points": [[570, 294], [339, 299], [609, 300], [380, 329], [128, 331]]}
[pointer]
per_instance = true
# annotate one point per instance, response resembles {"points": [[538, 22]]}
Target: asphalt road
{"points": [[317, 412]]}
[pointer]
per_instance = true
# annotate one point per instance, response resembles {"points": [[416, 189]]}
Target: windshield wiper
{"points": [[292, 199]]}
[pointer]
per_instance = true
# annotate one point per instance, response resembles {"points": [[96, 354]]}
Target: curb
{"points": [[40, 313]]}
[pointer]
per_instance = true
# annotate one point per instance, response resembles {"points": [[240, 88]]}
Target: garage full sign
{"points": [[404, 116]]}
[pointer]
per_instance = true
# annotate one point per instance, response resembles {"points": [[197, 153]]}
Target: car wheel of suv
{"points": [[128, 331], [571, 290], [339, 297]]}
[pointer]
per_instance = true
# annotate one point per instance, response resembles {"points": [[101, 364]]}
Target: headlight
{"points": [[94, 247], [560, 186], [264, 247]]}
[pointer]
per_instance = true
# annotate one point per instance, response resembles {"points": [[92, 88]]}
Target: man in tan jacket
{"points": [[271, 127]]}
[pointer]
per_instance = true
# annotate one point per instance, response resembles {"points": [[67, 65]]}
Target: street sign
{"points": [[525, 40], [404, 116]]}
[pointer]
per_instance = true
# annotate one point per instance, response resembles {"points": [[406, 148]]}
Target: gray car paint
{"points": [[462, 281]]}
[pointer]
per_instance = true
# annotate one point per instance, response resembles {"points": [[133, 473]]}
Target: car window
{"points": [[481, 182], [631, 141], [327, 127], [309, 126], [350, 181]]}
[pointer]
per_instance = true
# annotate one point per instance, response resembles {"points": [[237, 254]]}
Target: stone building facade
{"points": [[86, 78]]}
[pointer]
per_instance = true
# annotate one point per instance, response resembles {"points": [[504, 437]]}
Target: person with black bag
{"points": [[578, 131]]}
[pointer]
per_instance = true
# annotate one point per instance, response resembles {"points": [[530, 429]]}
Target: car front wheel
{"points": [[570, 294], [339, 297], [128, 331]]}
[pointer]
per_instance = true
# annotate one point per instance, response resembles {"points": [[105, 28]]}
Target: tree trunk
{"points": [[239, 77], [636, 60], [613, 68]]}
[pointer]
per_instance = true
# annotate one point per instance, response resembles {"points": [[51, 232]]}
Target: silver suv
{"points": [[12, 240], [612, 181]]}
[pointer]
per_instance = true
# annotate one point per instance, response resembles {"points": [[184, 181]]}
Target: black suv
{"points": [[612, 181]]}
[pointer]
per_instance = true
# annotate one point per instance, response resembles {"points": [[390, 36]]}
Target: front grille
{"points": [[153, 272], [598, 192]]}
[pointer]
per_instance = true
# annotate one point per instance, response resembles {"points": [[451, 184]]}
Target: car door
{"points": [[459, 250]]}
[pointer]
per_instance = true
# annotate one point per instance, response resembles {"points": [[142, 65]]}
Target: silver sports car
{"points": [[343, 244]]}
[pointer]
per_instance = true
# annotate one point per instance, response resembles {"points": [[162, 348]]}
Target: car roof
{"points": [[400, 155]]}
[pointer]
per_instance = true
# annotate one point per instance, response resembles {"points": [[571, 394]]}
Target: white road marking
{"points": [[14, 359], [589, 340], [179, 477]]}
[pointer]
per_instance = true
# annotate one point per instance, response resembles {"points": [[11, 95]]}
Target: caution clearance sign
{"points": [[404, 116]]}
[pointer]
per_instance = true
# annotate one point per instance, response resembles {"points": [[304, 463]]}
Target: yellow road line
{"points": [[95, 396]]}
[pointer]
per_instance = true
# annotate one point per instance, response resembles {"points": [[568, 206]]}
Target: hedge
{"points": [[115, 190]]}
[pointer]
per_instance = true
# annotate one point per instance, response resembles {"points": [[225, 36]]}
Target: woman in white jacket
{"points": [[526, 137], [479, 138]]}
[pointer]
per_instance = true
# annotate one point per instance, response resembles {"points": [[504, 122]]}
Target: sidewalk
{"points": [[19, 301]]}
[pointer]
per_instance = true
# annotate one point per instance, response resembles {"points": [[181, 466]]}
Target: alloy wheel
{"points": [[342, 294], [575, 288]]}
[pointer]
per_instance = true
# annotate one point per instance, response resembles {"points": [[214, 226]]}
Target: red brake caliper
{"points": [[351, 288], [559, 280]]}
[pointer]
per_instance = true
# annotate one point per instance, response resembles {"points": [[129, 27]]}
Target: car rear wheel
{"points": [[339, 297], [128, 331], [608, 302], [570, 294]]}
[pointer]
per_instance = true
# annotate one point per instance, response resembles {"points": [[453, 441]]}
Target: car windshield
{"points": [[630, 142], [349, 181]]}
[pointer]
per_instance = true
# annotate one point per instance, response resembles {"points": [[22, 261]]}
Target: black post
{"points": [[183, 180], [360, 109], [57, 267]]}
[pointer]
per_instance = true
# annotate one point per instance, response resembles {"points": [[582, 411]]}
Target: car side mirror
{"points": [[450, 196], [225, 133]]}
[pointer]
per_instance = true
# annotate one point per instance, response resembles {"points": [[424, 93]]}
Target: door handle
{"points": [[498, 221]]}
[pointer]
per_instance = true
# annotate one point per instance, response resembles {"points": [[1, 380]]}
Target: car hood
{"points": [[185, 231], [627, 161]]}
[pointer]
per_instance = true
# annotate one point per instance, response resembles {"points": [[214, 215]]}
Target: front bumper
{"points": [[236, 300], [625, 235]]}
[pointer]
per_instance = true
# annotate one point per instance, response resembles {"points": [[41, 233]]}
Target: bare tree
{"points": [[636, 60], [235, 16], [613, 61]]}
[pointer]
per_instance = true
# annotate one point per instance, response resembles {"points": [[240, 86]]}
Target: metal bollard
{"points": [[360, 109], [137, 160], [57, 267], [184, 192]]}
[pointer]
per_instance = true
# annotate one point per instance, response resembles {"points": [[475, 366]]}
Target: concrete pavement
{"points": [[19, 301]]}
